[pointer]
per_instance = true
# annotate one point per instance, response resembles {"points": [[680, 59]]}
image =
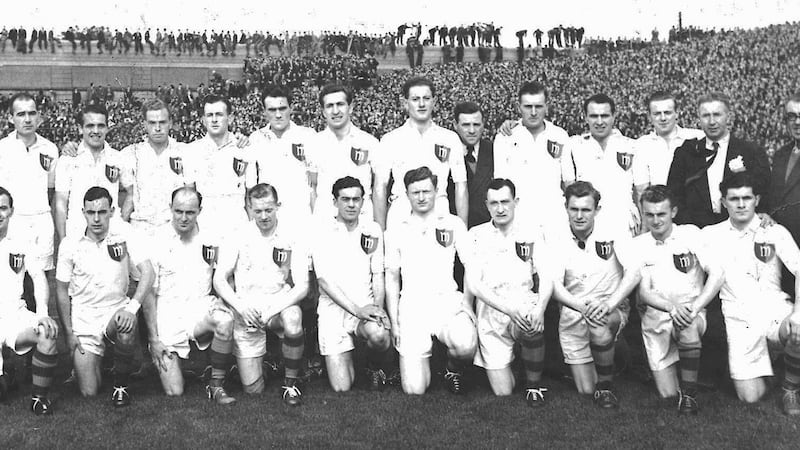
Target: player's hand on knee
{"points": [[537, 322], [74, 344], [49, 326], [681, 315], [125, 321], [160, 355], [252, 317], [521, 320]]}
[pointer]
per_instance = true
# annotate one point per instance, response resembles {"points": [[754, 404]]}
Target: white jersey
{"points": [[154, 177], [355, 155], [348, 259], [507, 264], [183, 269], [14, 262], [610, 171], [27, 173], [286, 163], [98, 272], [654, 155], [75, 175], [751, 259]]}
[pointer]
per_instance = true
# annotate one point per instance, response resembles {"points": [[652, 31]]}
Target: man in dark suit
{"points": [[478, 159], [699, 165], [784, 191]]}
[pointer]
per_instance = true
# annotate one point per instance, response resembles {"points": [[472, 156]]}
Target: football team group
{"points": [[426, 235]]}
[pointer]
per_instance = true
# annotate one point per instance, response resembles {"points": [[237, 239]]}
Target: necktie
{"points": [[793, 157], [471, 154], [712, 154]]}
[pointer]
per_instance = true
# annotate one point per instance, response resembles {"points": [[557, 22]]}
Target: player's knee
{"points": [[88, 391], [341, 384], [600, 335], [378, 337], [223, 324], [46, 345], [585, 387], [126, 338], [173, 390], [413, 388], [748, 396], [292, 318], [256, 387]]}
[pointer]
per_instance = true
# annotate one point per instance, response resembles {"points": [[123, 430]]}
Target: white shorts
{"points": [[336, 330], [496, 336], [251, 342], [13, 322], [422, 317], [90, 324], [37, 233], [573, 333], [661, 339], [751, 338], [176, 327]]}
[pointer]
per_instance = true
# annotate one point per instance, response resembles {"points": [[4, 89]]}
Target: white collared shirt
{"points": [[717, 171], [27, 173], [654, 155], [219, 171]]}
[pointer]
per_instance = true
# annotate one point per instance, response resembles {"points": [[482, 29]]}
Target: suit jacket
{"points": [[784, 194], [689, 182], [477, 183]]}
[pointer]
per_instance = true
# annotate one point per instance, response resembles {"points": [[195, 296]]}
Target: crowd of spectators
{"points": [[754, 67]]}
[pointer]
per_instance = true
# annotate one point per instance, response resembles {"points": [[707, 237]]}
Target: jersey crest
{"points": [[625, 160], [45, 161], [369, 243], [112, 173], [16, 261], [441, 152], [554, 149], [210, 254], [358, 156], [239, 166], [176, 164], [299, 152], [444, 237], [684, 261], [281, 257], [524, 250], [117, 251], [764, 251], [604, 249]]}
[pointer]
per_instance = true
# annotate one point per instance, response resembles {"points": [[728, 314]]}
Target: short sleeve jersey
{"points": [[405, 148], [654, 155], [751, 259], [27, 172], [75, 175], [264, 265], [507, 262], [154, 177], [285, 162], [219, 171], [533, 164], [97, 272], [183, 269], [678, 265], [348, 258], [355, 155], [424, 251]]}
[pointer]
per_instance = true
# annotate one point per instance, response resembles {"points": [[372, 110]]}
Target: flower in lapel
{"points": [[737, 164]]}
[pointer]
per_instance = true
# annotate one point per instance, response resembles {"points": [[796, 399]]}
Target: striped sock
{"points": [[221, 358], [689, 365], [44, 367], [292, 348], [532, 354], [603, 355], [791, 359]]}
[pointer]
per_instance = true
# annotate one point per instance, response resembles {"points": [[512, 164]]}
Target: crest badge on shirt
{"points": [[358, 156], [16, 261], [764, 251], [45, 161], [281, 257], [176, 165], [524, 250], [117, 251], [239, 166], [369, 243], [684, 261], [210, 254], [444, 237], [604, 249], [554, 149], [625, 160], [112, 173], [299, 152], [441, 152]]}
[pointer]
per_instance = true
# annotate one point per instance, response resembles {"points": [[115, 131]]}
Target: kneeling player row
{"points": [[260, 274]]}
